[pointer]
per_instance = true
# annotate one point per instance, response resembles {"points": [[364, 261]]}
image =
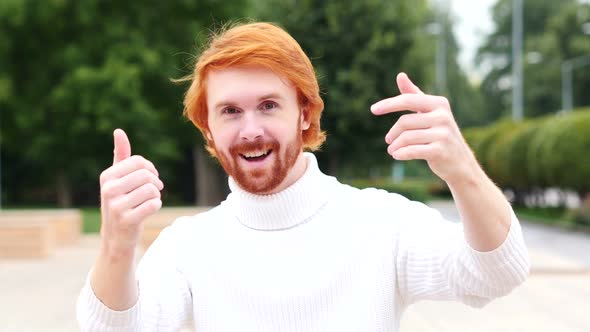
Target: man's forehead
{"points": [[246, 83]]}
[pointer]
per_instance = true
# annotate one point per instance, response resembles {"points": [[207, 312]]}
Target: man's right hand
{"points": [[129, 192]]}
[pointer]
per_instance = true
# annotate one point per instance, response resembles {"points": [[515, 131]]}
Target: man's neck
{"points": [[300, 198]]}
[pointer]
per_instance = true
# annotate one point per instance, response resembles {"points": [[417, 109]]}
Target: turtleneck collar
{"points": [[286, 209]]}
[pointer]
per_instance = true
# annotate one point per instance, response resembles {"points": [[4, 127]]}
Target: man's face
{"points": [[255, 126]]}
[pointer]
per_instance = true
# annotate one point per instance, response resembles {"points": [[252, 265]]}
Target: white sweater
{"points": [[318, 256]]}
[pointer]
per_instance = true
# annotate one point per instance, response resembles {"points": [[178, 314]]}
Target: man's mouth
{"points": [[256, 155]]}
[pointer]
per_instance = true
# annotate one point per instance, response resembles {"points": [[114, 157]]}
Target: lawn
{"points": [[550, 216], [90, 220]]}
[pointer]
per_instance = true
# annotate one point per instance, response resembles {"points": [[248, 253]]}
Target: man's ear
{"points": [[305, 123], [208, 136]]}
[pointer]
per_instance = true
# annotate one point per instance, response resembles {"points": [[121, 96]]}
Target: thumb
{"points": [[122, 146], [405, 85]]}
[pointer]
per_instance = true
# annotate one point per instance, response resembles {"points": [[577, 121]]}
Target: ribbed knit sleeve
{"points": [[435, 262], [165, 300]]}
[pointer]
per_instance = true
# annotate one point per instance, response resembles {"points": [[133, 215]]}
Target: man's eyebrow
{"points": [[224, 103], [270, 96]]}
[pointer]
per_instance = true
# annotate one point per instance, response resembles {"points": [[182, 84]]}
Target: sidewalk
{"points": [[41, 295], [556, 296]]}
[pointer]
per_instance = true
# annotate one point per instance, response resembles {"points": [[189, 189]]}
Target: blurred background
{"points": [[72, 71], [517, 74]]}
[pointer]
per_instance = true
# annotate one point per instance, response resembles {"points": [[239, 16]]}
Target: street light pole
{"points": [[441, 53], [567, 80], [566, 87], [517, 76]]}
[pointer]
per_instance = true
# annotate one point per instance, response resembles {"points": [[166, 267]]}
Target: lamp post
{"points": [[517, 76], [567, 80], [440, 59]]}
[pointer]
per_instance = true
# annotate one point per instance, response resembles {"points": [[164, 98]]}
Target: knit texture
{"points": [[318, 256]]}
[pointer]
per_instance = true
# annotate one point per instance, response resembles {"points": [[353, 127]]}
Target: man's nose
{"points": [[251, 128]]}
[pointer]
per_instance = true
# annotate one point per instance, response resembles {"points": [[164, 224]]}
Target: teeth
{"points": [[256, 154]]}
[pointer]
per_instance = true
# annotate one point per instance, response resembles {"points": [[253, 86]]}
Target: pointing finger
{"points": [[410, 102], [405, 85]]}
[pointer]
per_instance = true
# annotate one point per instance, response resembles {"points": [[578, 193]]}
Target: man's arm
{"points": [[485, 212], [432, 134]]}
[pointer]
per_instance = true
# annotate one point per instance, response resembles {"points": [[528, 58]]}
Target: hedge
{"points": [[416, 190], [552, 151]]}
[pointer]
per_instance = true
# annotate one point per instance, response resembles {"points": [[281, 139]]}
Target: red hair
{"points": [[257, 44]]}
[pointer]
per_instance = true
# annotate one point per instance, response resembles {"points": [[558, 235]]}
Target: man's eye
{"points": [[231, 110], [269, 105]]}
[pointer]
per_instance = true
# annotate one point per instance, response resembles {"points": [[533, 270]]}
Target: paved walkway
{"points": [[556, 297], [40, 295]]}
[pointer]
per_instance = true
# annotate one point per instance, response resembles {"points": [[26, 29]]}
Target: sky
{"points": [[473, 23]]}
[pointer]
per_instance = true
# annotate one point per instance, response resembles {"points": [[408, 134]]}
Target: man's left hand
{"points": [[430, 133]]}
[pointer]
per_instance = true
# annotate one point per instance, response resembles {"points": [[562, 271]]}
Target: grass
{"points": [[90, 216], [90, 220], [547, 216]]}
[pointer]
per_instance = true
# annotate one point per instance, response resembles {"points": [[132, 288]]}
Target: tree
{"points": [[465, 99], [357, 48], [553, 33], [75, 70]]}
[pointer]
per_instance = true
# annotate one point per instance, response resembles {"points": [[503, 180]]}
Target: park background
{"points": [[73, 71]]}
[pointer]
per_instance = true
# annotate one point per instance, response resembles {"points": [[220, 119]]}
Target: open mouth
{"points": [[256, 155]]}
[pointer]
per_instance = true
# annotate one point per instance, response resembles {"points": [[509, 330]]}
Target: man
{"points": [[292, 249]]}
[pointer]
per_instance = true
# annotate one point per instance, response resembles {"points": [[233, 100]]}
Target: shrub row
{"points": [[552, 151]]}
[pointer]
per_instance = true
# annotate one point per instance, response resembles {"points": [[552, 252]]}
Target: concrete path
{"points": [[556, 297], [41, 295]]}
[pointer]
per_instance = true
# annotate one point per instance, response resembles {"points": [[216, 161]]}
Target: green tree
{"points": [[465, 99], [357, 48], [552, 34], [72, 71]]}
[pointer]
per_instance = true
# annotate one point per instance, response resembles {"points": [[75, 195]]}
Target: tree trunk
{"points": [[210, 180], [63, 190], [334, 164]]}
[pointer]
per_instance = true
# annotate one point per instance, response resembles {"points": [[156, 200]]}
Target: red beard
{"points": [[261, 180]]}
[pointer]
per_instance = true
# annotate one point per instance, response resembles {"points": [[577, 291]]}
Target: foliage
{"points": [[416, 190], [553, 33], [357, 49], [90, 220], [546, 152], [76, 70]]}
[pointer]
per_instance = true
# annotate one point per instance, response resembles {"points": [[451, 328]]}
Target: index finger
{"points": [[409, 102]]}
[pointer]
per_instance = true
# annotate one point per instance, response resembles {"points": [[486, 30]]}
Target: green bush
{"points": [[567, 155], [414, 189], [541, 151], [551, 151], [482, 141], [517, 161], [500, 152], [90, 220]]}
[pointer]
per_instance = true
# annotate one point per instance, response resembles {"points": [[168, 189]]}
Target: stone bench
{"points": [[35, 233], [165, 217], [26, 237]]}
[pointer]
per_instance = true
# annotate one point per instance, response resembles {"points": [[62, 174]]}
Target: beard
{"points": [[266, 179]]}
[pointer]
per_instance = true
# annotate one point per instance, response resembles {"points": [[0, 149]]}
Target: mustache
{"points": [[246, 147]]}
